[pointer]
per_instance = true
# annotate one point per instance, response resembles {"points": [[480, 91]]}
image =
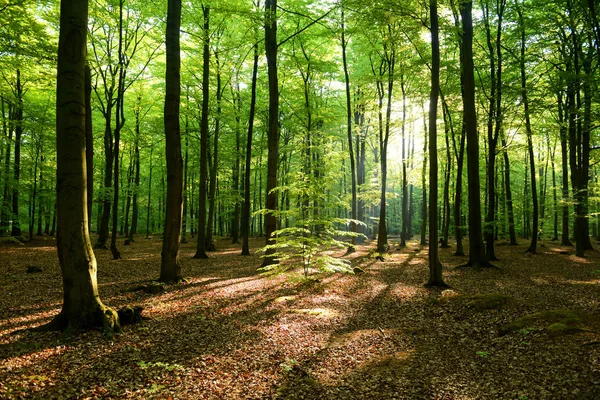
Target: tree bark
{"points": [[477, 256], [353, 212], [89, 144], [247, 170], [534, 233], [273, 130], [170, 267], [82, 307], [16, 227], [201, 243], [435, 266]]}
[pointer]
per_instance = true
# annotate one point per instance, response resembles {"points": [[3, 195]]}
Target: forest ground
{"points": [[231, 333]]}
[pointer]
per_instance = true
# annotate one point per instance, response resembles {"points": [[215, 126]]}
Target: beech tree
{"points": [[82, 307], [170, 269]]}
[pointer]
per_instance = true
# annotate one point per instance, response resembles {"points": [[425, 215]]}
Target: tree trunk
{"points": [[89, 144], [534, 233], [435, 266], [247, 170], [273, 130], [390, 54], [424, 184], [119, 122], [82, 307], [201, 243], [170, 268], [477, 256], [7, 130], [235, 220], [210, 245], [353, 215], [16, 227], [509, 202]]}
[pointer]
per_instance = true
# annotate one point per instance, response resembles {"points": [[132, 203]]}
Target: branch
{"points": [[306, 27]]}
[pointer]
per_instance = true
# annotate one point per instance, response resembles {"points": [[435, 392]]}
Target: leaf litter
{"points": [[232, 333]]}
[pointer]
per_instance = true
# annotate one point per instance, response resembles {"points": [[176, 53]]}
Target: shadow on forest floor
{"points": [[230, 332]]}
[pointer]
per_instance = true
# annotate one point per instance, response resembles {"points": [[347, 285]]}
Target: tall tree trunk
{"points": [[7, 130], [149, 192], [136, 185], [353, 204], [382, 244], [435, 266], [447, 172], [89, 144], [247, 170], [119, 122], [235, 221], [16, 227], [509, 201], [82, 307], [273, 130], [170, 267], [424, 184], [201, 243], [210, 245], [405, 218], [477, 256], [534, 233], [184, 227]]}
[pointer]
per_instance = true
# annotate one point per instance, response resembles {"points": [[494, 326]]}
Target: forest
{"points": [[330, 199]]}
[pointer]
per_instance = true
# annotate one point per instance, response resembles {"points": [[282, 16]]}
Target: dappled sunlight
{"points": [[229, 331]]}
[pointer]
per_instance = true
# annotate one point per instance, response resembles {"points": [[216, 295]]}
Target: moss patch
{"points": [[488, 301], [554, 322]]}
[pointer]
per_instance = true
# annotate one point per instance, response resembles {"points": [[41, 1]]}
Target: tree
{"points": [[272, 130], [353, 211], [82, 307], [201, 246], [435, 266], [477, 256], [170, 268]]}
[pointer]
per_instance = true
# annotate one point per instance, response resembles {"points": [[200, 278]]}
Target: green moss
{"points": [[554, 322], [488, 301]]}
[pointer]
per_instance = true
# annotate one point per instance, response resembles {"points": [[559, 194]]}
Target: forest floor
{"points": [[530, 330]]}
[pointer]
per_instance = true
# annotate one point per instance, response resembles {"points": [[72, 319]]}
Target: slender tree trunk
{"points": [[149, 193], [106, 202], [477, 256], [89, 144], [210, 245], [247, 170], [8, 134], [435, 266], [509, 202], [16, 227], [201, 246], [119, 122], [534, 234], [136, 186], [235, 221], [184, 227], [353, 216], [273, 130], [405, 218], [170, 267], [382, 244], [424, 184]]}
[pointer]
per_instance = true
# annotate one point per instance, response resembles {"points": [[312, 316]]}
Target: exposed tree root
{"points": [[104, 317], [478, 265]]}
